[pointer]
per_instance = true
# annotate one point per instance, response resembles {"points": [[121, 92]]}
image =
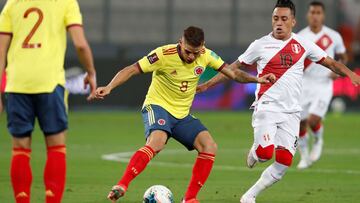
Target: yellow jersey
{"points": [[35, 60], [174, 81]]}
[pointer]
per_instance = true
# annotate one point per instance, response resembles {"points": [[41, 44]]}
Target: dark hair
{"points": [[194, 36], [318, 3], [286, 4]]}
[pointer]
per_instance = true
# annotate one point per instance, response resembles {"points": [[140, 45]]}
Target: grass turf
{"points": [[335, 178]]}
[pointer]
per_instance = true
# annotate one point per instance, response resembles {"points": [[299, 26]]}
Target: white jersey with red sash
{"points": [[286, 60], [328, 40]]}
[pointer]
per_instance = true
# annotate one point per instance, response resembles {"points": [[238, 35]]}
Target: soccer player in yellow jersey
{"points": [[176, 69], [32, 44]]}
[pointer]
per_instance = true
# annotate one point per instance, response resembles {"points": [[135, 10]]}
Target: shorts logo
{"points": [[296, 48], [152, 58], [198, 70], [161, 121]]}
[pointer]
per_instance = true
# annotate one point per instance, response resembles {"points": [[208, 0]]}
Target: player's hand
{"points": [[355, 79], [90, 79], [201, 88], [101, 92], [268, 78]]}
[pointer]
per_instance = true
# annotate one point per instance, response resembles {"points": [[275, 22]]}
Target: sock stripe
{"points": [[316, 128], [58, 148], [148, 151], [21, 151], [206, 156]]}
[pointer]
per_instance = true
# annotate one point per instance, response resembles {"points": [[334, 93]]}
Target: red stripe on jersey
{"points": [[324, 43], [139, 67], [222, 67], [73, 25], [6, 33], [281, 62]]}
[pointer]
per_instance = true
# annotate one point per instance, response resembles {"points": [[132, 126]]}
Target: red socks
{"points": [[201, 172], [137, 164], [20, 173], [54, 174]]}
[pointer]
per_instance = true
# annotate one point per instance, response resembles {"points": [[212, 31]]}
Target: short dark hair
{"points": [[317, 3], [286, 4], [194, 36]]}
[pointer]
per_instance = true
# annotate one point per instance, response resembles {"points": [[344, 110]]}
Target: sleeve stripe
{"points": [[139, 67], [321, 60], [222, 66], [6, 33], [73, 25]]}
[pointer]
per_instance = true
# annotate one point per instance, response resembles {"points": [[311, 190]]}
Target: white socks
{"points": [[271, 175]]}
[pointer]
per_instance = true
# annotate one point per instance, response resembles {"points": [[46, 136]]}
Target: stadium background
{"points": [[122, 31]]}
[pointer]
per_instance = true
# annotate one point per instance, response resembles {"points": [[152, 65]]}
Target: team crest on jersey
{"points": [[161, 121], [152, 58], [325, 41], [198, 70], [296, 48]]}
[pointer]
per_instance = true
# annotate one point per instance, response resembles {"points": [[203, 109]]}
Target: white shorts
{"points": [[315, 99], [275, 128]]}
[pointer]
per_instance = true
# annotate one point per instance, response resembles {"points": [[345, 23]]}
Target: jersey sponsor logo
{"points": [[296, 48], [161, 121], [198, 70], [152, 58]]}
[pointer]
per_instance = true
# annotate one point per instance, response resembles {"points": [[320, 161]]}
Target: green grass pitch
{"points": [[335, 178]]}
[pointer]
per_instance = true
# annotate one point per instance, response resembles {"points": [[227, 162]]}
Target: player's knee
{"points": [[284, 157], [209, 147], [265, 153], [314, 122]]}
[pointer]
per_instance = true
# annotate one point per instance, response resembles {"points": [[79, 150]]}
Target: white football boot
{"points": [[316, 149], [245, 199], [305, 161], [252, 158]]}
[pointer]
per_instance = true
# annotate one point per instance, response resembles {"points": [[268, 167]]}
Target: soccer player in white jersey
{"points": [[317, 83], [276, 118]]}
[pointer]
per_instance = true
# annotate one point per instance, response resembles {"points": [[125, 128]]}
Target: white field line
{"points": [[124, 157]]}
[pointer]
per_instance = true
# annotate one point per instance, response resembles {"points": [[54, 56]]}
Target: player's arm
{"points": [[4, 46], [234, 72], [341, 69], [84, 53], [121, 77], [342, 58]]}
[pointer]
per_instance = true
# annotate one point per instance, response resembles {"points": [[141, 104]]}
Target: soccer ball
{"points": [[158, 194]]}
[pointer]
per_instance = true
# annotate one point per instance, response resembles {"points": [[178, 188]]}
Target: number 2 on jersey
{"points": [[26, 44]]}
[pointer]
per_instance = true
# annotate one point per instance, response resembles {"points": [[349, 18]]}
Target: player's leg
{"points": [[51, 111], [157, 128], [265, 127], [55, 167], [20, 117], [303, 146], [285, 143], [317, 113], [193, 135], [317, 129]]}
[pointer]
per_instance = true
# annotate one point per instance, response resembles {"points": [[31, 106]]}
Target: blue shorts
{"points": [[49, 108], [183, 130]]}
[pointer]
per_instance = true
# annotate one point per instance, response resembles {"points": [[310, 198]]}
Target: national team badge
{"points": [[152, 58], [296, 48], [161, 121], [198, 70], [325, 42]]}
